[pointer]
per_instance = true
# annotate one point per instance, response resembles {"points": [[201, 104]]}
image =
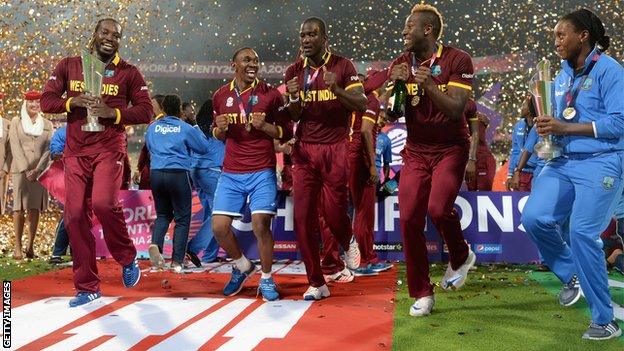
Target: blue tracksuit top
{"points": [[171, 141], [213, 158], [518, 138], [600, 101], [57, 143]]}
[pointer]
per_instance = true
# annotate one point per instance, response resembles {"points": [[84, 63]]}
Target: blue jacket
{"points": [[518, 139], [57, 143], [213, 159], [600, 101], [171, 141], [529, 145], [383, 149]]}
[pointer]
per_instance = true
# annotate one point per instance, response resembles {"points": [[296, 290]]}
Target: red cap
{"points": [[32, 95], [375, 79]]}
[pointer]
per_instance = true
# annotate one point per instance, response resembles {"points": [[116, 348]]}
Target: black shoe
{"points": [[193, 257], [56, 260], [570, 293]]}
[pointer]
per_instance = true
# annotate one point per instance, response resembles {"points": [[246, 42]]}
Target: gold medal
{"points": [[569, 113], [415, 100]]}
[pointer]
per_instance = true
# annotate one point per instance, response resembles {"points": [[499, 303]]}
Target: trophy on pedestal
{"points": [[93, 73], [541, 87]]}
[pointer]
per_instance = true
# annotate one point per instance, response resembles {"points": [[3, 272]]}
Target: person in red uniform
{"points": [[249, 116], [481, 165], [439, 82], [323, 90], [94, 161]]}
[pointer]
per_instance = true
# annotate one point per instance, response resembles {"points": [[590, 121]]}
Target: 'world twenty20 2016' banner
{"points": [[490, 222]]}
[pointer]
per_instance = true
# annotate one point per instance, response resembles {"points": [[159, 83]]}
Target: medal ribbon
{"points": [[245, 111], [572, 93], [307, 80], [431, 63]]}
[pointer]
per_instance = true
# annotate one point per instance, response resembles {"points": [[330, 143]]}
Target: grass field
{"points": [[500, 308]]}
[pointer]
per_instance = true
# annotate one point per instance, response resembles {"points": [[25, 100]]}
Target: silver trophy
{"points": [[93, 73], [541, 87]]}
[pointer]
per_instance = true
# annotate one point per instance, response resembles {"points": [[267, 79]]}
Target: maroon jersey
{"points": [[123, 86], [426, 124], [470, 113], [252, 151], [324, 120], [356, 146]]}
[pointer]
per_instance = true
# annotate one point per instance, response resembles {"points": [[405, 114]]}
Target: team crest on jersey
{"points": [[109, 73], [436, 70], [254, 100], [587, 84], [607, 183], [229, 102]]}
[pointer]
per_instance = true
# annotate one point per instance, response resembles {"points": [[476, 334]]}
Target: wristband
{"points": [[291, 100]]}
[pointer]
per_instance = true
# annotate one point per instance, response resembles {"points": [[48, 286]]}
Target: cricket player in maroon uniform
{"points": [[323, 91], [481, 165], [439, 82], [94, 161], [248, 118]]}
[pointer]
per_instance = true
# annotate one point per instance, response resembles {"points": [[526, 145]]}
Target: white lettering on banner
{"points": [[239, 225], [391, 212], [139, 213], [135, 322], [287, 213], [486, 207], [521, 204], [466, 212], [376, 228]]}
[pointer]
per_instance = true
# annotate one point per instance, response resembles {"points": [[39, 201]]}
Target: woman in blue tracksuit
{"points": [[585, 182], [171, 142]]}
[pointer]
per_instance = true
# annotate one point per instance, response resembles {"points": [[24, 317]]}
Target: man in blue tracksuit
{"points": [[61, 240], [518, 139], [585, 183], [205, 172], [171, 142], [383, 150]]}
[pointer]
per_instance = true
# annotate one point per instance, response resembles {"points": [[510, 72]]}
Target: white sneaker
{"points": [[422, 306], [455, 279], [176, 267], [344, 276], [158, 262], [316, 293], [352, 256]]}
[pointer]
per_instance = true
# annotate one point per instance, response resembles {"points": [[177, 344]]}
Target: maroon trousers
{"points": [[430, 181], [99, 178], [363, 197], [486, 169], [525, 181], [320, 170]]}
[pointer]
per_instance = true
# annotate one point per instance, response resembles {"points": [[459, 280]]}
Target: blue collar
{"points": [[567, 68]]}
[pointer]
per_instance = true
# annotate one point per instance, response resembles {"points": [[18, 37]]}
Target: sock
{"points": [[243, 264], [266, 275]]}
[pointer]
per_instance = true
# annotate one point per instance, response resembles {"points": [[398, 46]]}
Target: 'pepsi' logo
{"points": [[489, 248]]}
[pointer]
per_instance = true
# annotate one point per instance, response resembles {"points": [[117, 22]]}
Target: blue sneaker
{"points": [[364, 272], [380, 266], [131, 274], [268, 289], [237, 280], [84, 297]]}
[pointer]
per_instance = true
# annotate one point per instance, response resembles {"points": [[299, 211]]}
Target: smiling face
{"points": [[414, 37], [246, 66], [312, 39], [106, 39], [33, 107], [569, 41]]}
